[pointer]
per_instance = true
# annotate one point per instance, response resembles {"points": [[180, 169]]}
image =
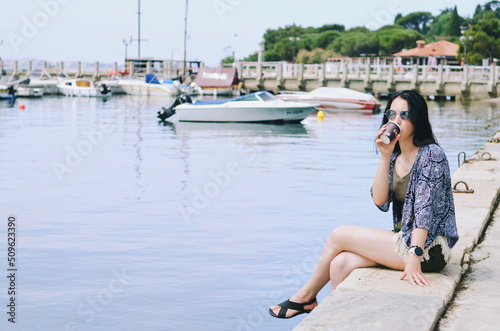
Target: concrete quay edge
{"points": [[375, 299], [476, 305]]}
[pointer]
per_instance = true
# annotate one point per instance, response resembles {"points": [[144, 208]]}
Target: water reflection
{"points": [[242, 128], [137, 146], [295, 183]]}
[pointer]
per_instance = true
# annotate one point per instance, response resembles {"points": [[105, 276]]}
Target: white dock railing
{"points": [[282, 70], [22, 68]]}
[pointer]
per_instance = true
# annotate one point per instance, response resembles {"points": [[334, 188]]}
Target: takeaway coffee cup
{"points": [[391, 131]]}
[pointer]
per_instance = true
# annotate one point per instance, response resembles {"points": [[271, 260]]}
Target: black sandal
{"points": [[285, 305]]}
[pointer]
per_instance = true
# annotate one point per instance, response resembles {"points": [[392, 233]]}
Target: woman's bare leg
{"points": [[344, 263], [370, 243]]}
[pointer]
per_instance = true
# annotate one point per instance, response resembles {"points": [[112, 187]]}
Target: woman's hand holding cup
{"points": [[386, 138]]}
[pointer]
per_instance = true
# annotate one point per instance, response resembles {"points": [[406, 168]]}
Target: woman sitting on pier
{"points": [[414, 176]]}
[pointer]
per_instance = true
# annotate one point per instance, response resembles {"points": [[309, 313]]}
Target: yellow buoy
{"points": [[321, 115]]}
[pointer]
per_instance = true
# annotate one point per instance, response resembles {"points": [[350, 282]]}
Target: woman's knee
{"points": [[340, 263], [338, 235]]}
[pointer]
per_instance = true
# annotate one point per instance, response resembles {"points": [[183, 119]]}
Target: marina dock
{"points": [[371, 76], [96, 71]]}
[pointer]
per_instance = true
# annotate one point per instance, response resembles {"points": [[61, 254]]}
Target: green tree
{"points": [[478, 14], [271, 55], [493, 6], [228, 59], [252, 57], [394, 38], [454, 25], [356, 41], [277, 44], [398, 16], [325, 38], [331, 27], [485, 34], [317, 55], [418, 21], [308, 42], [440, 25], [447, 23], [303, 56]]}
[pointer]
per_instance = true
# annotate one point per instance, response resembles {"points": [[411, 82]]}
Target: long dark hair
{"points": [[419, 117]]}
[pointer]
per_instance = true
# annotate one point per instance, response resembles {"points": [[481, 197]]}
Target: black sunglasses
{"points": [[391, 114]]}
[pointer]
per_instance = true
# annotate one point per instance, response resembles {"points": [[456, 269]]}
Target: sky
{"points": [[94, 30]]}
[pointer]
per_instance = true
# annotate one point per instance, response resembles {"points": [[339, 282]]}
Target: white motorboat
{"points": [[255, 107], [335, 99], [26, 91], [83, 87], [113, 81], [151, 86], [46, 82]]}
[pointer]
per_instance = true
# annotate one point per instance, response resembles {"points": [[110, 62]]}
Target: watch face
{"points": [[418, 251]]}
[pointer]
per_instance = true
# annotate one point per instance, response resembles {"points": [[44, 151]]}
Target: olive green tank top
{"points": [[400, 185]]}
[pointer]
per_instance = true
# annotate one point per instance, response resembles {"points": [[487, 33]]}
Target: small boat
{"points": [[152, 86], [257, 107], [335, 99], [83, 87], [113, 80], [46, 82], [7, 92], [24, 91]]}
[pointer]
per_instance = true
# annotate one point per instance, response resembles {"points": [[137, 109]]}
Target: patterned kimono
{"points": [[428, 203]]}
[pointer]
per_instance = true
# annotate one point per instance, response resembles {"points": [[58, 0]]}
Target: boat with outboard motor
{"points": [[257, 107], [83, 87], [335, 99], [7, 92]]}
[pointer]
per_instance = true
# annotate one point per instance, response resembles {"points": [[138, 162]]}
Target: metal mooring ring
{"points": [[489, 157], [467, 190]]}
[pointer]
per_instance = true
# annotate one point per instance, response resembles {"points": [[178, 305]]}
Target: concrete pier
{"points": [[463, 82], [374, 298]]}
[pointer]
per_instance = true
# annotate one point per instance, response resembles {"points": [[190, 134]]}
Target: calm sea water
{"points": [[125, 224]]}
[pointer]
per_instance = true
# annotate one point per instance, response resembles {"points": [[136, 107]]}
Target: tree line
{"points": [[294, 43]]}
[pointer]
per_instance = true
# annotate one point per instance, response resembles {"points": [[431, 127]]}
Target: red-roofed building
{"points": [[444, 52]]}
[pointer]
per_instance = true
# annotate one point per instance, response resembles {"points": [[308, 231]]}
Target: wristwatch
{"points": [[416, 250]]}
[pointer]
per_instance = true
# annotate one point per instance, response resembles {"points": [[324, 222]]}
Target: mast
{"points": [[185, 40], [139, 30]]}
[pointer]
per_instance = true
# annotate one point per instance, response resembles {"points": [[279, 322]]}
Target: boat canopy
{"points": [[216, 77], [151, 79]]}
